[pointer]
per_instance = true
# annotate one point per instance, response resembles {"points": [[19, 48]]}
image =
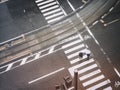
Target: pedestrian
{"points": [[81, 54], [88, 53]]}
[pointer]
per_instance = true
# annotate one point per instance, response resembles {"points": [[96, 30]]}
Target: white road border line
{"points": [[35, 80], [117, 72]]}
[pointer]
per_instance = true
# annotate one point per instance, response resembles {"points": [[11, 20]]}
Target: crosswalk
{"points": [[90, 75], [50, 9]]}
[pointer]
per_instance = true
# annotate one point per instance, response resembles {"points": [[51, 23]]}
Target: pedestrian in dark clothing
{"points": [[81, 54]]}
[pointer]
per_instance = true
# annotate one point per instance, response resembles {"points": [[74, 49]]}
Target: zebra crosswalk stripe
{"points": [[99, 85], [90, 74]]}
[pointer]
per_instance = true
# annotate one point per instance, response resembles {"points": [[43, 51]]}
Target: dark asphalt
{"points": [[18, 78], [109, 36], [16, 20]]}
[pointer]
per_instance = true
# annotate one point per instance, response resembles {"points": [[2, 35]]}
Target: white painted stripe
{"points": [[45, 2], [50, 8], [87, 68], [69, 39], [37, 55], [54, 15], [46, 75], [108, 88], [52, 12], [71, 88], [71, 69], [93, 80], [55, 19], [23, 61], [38, 1], [117, 72], [99, 85], [78, 59], [47, 5], [75, 54], [51, 49], [74, 48], [90, 74], [9, 66], [71, 43]]}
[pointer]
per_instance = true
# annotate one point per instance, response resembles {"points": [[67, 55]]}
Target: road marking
{"points": [[55, 19], [9, 67], [54, 15], [50, 8], [51, 49], [75, 54], [108, 88], [99, 85], [52, 12], [45, 2], [23, 61], [117, 72], [71, 43], [93, 80], [74, 48], [35, 80], [90, 74], [38, 1], [87, 68], [111, 22], [47, 5], [71, 69]]}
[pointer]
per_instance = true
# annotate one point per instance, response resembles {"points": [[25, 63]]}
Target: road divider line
{"points": [[35, 80]]}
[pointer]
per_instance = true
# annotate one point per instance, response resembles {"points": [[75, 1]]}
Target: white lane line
{"points": [[45, 2], [50, 8], [47, 5], [71, 69], [35, 80], [87, 68], [75, 54], [93, 80], [71, 43], [52, 12], [55, 19], [99, 85], [23, 61], [74, 48], [117, 72], [54, 15], [108, 88], [9, 67], [90, 74]]}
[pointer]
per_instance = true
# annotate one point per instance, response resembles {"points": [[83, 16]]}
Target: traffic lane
{"points": [[49, 82], [113, 14], [16, 20], [101, 60], [22, 75], [108, 38]]}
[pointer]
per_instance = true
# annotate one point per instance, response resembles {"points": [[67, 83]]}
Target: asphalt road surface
{"points": [[43, 73]]}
